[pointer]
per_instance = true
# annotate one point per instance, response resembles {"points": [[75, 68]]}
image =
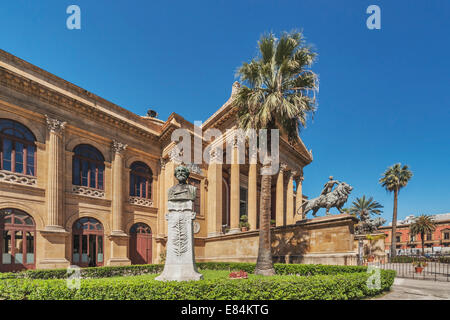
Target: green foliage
{"points": [[351, 285], [363, 208], [136, 270], [422, 225], [278, 86], [396, 177]]}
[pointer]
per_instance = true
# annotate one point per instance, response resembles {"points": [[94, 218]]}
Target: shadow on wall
{"points": [[289, 247]]}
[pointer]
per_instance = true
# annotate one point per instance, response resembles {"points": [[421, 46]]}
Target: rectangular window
{"points": [[84, 173], [18, 250], [7, 152], [100, 249], [76, 248], [76, 172], [30, 160], [84, 248], [429, 236], [398, 238], [447, 236], [7, 250], [30, 248], [18, 167], [101, 168], [92, 175], [132, 192], [243, 201]]}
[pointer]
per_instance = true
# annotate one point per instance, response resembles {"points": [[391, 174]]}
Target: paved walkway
{"points": [[409, 289]]}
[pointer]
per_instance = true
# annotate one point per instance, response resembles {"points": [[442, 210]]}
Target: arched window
{"points": [[141, 177], [88, 167], [18, 234], [140, 228], [17, 148], [87, 250]]}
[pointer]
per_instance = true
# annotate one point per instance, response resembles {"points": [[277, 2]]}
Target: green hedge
{"points": [[134, 270], [343, 286]]}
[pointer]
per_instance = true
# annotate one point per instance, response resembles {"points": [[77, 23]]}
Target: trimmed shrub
{"points": [[319, 287], [135, 270]]}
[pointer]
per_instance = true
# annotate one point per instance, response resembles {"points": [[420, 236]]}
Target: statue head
{"points": [[330, 177], [181, 174]]}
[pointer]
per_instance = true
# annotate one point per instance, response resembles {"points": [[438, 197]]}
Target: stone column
{"points": [[214, 197], [299, 200], [119, 239], [54, 235], [290, 205], [234, 191], [252, 195], [279, 213], [55, 187], [160, 241], [118, 150], [162, 199]]}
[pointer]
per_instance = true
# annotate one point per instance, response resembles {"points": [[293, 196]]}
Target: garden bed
{"points": [[297, 282]]}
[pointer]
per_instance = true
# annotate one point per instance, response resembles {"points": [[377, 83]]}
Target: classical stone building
{"points": [[84, 181]]}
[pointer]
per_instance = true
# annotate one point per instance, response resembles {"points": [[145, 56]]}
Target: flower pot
{"points": [[419, 269], [243, 229], [370, 259]]}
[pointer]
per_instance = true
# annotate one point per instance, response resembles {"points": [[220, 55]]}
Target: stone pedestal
{"points": [[180, 258]]}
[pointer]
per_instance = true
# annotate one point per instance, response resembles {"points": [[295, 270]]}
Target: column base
{"points": [[53, 263], [119, 262], [118, 233]]}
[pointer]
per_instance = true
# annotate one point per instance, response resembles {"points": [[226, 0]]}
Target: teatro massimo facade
{"points": [[84, 182]]}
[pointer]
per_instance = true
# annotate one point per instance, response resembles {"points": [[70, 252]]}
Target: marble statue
{"points": [[180, 258], [328, 198]]}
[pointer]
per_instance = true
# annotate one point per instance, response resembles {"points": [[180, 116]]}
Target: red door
{"points": [[140, 244]]}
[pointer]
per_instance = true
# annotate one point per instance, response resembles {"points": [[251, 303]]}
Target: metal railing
{"points": [[428, 267]]}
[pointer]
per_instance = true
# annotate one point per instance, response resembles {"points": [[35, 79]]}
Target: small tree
{"points": [[422, 225]]}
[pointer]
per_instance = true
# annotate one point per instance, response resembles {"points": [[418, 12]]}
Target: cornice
{"points": [[36, 90]]}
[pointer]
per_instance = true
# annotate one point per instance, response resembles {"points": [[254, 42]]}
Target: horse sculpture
{"points": [[336, 198]]}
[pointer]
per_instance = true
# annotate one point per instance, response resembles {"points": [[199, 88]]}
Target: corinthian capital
{"points": [[55, 125], [118, 147]]}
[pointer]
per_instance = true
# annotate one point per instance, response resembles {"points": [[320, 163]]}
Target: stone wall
{"points": [[326, 240]]}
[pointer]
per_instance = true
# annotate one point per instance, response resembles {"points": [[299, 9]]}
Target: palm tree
{"points": [[393, 179], [422, 225], [278, 92], [363, 208]]}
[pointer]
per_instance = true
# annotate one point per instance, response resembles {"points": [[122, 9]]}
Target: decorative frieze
{"points": [[141, 201], [88, 192], [12, 177]]}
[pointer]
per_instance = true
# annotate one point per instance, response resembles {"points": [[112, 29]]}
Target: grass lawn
{"points": [[207, 275]]}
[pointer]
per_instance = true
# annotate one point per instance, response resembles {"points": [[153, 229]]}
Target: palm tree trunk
{"points": [[422, 235], [264, 264], [394, 226]]}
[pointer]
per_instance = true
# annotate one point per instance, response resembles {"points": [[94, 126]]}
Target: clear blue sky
{"points": [[384, 94]]}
